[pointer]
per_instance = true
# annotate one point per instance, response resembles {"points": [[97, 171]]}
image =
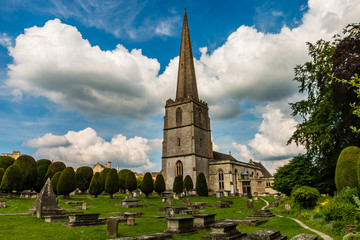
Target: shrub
{"points": [[178, 184], [96, 186], [352, 236], [147, 185], [55, 180], [159, 184], [201, 185], [348, 194], [42, 166], [12, 179], [83, 178], [130, 182], [67, 182], [305, 196], [28, 167], [188, 183], [122, 178], [2, 171], [54, 168], [339, 210], [346, 168], [103, 175], [6, 161], [112, 182]]}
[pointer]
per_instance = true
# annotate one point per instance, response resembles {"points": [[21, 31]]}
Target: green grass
{"points": [[29, 227]]}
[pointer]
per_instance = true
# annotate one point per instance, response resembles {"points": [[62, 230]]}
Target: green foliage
{"points": [[201, 185], [28, 167], [83, 177], [112, 182], [305, 196], [147, 185], [42, 166], [103, 175], [122, 178], [6, 161], [12, 179], [327, 113], [139, 181], [67, 182], [346, 168], [348, 194], [55, 180], [352, 236], [130, 182], [54, 168], [178, 184], [339, 210], [188, 183], [159, 184], [96, 186], [2, 171], [298, 172]]}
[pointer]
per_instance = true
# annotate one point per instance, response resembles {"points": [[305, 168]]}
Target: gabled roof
{"points": [[264, 171], [221, 156]]}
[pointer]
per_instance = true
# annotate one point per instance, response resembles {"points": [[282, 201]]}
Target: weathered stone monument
{"points": [[250, 204], [266, 234], [203, 221], [224, 230], [305, 236], [112, 227], [180, 225], [261, 214], [48, 200], [169, 213], [2, 204]]}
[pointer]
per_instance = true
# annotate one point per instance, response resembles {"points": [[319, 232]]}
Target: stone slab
{"points": [[305, 236], [56, 218], [266, 234]]}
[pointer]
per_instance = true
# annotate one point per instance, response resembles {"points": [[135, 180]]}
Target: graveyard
{"points": [[149, 218]]}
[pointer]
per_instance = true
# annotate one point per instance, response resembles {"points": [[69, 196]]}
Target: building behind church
{"points": [[187, 146]]}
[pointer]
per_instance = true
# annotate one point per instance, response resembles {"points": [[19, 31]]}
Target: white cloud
{"points": [[243, 154], [272, 166], [85, 147], [5, 41]]}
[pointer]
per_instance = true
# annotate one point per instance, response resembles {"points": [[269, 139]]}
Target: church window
{"points": [[268, 184], [179, 168], [221, 179], [178, 116], [178, 142]]}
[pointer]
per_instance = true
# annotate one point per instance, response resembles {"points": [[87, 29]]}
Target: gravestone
{"points": [[84, 206], [83, 219], [224, 230], [266, 234], [130, 202], [112, 227], [305, 236], [169, 201], [180, 225], [203, 221], [261, 214], [163, 200], [169, 213], [48, 201], [219, 194], [176, 196], [56, 218], [130, 221], [2, 204], [287, 207], [186, 201], [250, 204]]}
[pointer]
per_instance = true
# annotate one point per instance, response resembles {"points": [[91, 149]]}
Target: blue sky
{"points": [[86, 81]]}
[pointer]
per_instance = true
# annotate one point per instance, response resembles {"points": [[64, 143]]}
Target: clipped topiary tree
{"points": [[201, 185], [103, 175], [346, 168], [54, 168], [159, 184], [130, 182], [67, 182], [112, 182], [83, 178], [6, 161], [178, 184], [188, 183], [122, 179], [2, 171], [54, 181], [96, 186], [12, 179], [147, 186], [305, 196], [28, 167], [42, 166]]}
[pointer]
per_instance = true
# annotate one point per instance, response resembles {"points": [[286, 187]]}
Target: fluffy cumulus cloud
{"points": [[5, 41], [85, 147], [56, 62]]}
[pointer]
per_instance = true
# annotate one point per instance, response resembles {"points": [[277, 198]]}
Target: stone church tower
{"points": [[187, 146]]}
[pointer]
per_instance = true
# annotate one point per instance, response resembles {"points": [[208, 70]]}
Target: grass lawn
{"points": [[29, 227]]}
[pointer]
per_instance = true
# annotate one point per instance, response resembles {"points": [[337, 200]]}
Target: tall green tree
{"points": [[83, 178], [42, 166], [122, 178], [12, 179], [2, 171], [188, 183], [54, 181], [326, 112], [112, 182], [130, 182], [103, 175], [147, 185], [201, 185], [178, 184], [159, 184], [96, 186], [67, 182], [28, 167], [6, 161], [54, 168]]}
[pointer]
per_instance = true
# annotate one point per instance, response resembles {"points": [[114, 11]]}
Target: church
{"points": [[187, 146]]}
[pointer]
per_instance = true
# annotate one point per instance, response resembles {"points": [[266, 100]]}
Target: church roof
{"points": [[186, 84], [264, 171], [223, 156]]}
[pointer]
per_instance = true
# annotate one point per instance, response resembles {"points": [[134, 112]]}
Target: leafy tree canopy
{"points": [[130, 182], [122, 178], [6, 161], [147, 185], [28, 167], [112, 182], [83, 177], [96, 186], [42, 166], [54, 168], [159, 184], [67, 182], [12, 179]]}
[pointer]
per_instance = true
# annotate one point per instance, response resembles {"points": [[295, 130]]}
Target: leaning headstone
{"points": [[250, 204], [112, 227], [39, 209], [305, 236], [266, 234], [84, 206], [287, 207], [169, 213], [48, 201]]}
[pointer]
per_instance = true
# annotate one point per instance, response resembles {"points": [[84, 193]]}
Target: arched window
{"points": [[178, 116], [221, 179], [178, 142], [179, 168]]}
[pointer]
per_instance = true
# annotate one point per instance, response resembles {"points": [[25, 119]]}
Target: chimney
{"points": [[109, 164]]}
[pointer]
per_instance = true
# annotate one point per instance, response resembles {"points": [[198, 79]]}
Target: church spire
{"points": [[186, 83]]}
